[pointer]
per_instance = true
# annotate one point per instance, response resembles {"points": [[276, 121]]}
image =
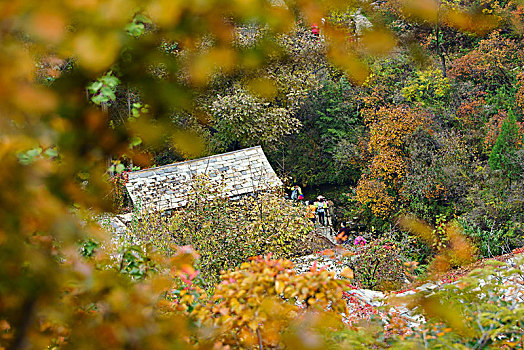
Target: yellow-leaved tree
{"points": [[389, 129]]}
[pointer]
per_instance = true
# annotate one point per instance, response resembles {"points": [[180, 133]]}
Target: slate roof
{"points": [[167, 187]]}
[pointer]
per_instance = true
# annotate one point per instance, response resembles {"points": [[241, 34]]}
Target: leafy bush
{"points": [[509, 141], [378, 264], [494, 241], [425, 187], [428, 87], [496, 202], [227, 232], [490, 64], [136, 261], [450, 246], [257, 303]]}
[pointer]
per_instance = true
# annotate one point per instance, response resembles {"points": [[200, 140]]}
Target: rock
{"points": [[363, 303]]}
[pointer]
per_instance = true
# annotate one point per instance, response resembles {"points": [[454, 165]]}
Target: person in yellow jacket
{"points": [[310, 211]]}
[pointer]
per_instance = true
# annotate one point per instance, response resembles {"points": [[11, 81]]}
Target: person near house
{"points": [[343, 234], [330, 213], [315, 30], [297, 193], [310, 211], [321, 206]]}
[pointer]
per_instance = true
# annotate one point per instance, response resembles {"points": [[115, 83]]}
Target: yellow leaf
{"points": [[165, 12], [96, 51], [378, 41], [48, 25], [262, 87], [279, 287], [347, 273]]}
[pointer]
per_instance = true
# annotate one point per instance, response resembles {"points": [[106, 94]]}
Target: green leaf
{"points": [[94, 87], [135, 141], [142, 18], [51, 153], [119, 168], [135, 29], [34, 152], [110, 80], [99, 99], [108, 92], [28, 157]]}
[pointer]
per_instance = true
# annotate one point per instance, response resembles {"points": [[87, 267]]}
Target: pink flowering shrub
{"points": [[359, 240]]}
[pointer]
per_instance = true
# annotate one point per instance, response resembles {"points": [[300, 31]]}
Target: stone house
{"points": [[167, 187]]}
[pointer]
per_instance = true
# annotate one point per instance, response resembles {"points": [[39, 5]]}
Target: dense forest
{"points": [[430, 124], [407, 115]]}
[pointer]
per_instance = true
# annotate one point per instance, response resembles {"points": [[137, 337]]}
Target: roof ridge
{"points": [[192, 160]]}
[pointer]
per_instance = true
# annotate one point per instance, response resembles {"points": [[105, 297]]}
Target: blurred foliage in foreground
{"points": [[58, 63]]}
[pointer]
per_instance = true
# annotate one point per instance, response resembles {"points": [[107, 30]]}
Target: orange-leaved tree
{"points": [[264, 299], [389, 129]]}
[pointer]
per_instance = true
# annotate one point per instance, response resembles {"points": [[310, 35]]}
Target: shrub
{"points": [[428, 87], [519, 95], [227, 232], [378, 264], [497, 202], [490, 243], [441, 169], [424, 190], [451, 248], [471, 116], [490, 64], [257, 303]]}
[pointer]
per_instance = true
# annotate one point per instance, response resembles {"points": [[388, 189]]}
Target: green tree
{"points": [[504, 151], [246, 120], [325, 150]]}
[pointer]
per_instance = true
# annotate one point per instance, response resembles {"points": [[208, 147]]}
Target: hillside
{"points": [[401, 119]]}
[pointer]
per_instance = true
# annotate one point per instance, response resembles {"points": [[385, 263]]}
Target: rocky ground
{"points": [[364, 304]]}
